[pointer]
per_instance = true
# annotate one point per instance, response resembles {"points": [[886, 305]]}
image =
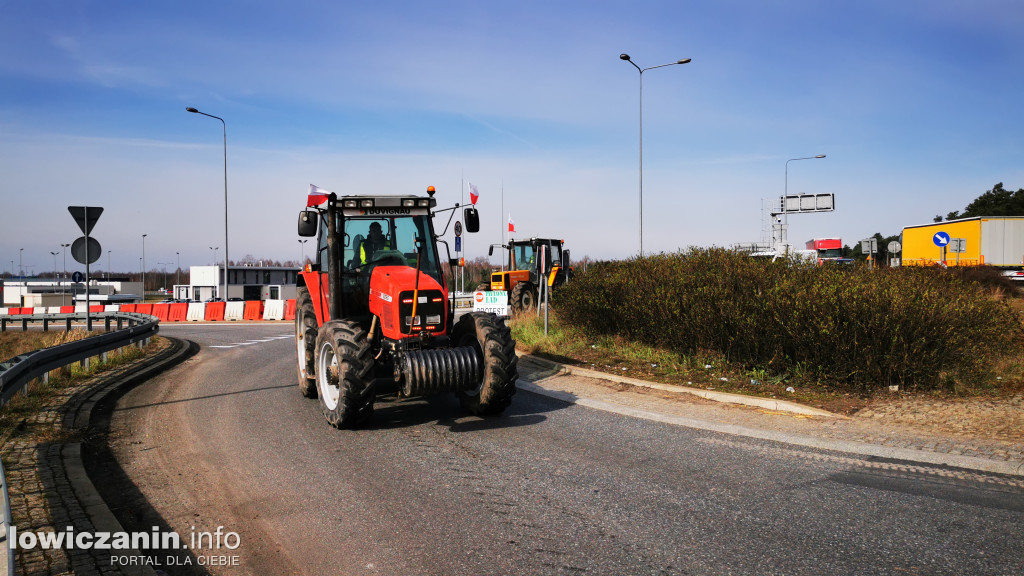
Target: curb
{"points": [[846, 446], [79, 417], [767, 403]]}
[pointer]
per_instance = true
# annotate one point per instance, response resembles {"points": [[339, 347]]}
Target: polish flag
{"points": [[317, 196], [511, 224], [474, 195]]}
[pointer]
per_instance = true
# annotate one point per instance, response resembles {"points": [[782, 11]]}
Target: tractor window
{"points": [[391, 242], [524, 257]]}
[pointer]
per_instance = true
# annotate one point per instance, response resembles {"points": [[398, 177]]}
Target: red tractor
{"points": [[373, 313]]}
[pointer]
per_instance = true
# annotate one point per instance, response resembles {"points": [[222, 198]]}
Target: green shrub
{"points": [[915, 327]]}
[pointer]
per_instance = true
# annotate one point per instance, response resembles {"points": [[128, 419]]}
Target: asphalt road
{"points": [[548, 488]]}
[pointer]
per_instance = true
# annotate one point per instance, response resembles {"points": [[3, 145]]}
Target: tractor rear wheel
{"points": [[492, 339], [305, 342], [523, 297], [344, 373]]}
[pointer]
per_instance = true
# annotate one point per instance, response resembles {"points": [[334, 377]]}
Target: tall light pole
{"points": [[642, 70], [213, 251], [64, 281], [225, 126], [144, 268], [302, 258], [783, 239], [21, 267], [54, 265], [108, 265], [177, 273], [164, 264]]}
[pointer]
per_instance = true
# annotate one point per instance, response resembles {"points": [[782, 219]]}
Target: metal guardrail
{"points": [[16, 373]]}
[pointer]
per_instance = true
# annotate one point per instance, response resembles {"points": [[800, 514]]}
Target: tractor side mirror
{"points": [[490, 250], [308, 222], [565, 259], [453, 262], [472, 219]]}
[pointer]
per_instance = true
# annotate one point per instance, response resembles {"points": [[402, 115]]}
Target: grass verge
{"points": [[18, 417], [712, 371]]}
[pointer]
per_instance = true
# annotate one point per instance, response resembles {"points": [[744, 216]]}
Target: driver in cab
{"points": [[372, 243]]}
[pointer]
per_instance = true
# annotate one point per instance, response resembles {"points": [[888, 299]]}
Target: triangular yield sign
{"points": [[85, 216]]}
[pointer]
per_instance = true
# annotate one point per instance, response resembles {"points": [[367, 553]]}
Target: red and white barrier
{"points": [[252, 310]]}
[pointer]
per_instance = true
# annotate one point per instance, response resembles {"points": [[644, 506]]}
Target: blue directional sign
{"points": [[941, 239], [458, 244], [77, 276]]}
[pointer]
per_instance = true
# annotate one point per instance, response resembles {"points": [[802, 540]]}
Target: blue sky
{"points": [[916, 105]]}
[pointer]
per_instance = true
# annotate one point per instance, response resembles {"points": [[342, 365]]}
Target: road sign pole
{"points": [[88, 302]]}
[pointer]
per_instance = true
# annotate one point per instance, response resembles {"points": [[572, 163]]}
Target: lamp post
{"points": [[784, 240], [143, 264], [164, 264], [108, 265], [63, 289], [302, 257], [225, 126], [21, 267], [177, 273], [642, 70], [54, 265]]}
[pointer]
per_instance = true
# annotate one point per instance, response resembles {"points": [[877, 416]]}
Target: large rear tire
{"points": [[344, 374], [305, 342], [523, 297], [492, 339]]}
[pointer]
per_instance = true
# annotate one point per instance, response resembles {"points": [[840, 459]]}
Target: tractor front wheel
{"points": [[305, 342], [492, 339], [523, 297], [344, 373]]}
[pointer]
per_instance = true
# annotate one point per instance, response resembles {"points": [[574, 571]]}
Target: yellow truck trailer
{"points": [[994, 241]]}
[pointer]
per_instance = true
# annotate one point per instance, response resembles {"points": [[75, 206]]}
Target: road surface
{"points": [[225, 439]]}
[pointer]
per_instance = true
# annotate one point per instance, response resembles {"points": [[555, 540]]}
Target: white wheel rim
{"points": [[300, 347], [329, 391]]}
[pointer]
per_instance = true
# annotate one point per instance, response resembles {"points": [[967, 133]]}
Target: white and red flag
{"points": [[317, 196], [474, 194], [511, 224]]}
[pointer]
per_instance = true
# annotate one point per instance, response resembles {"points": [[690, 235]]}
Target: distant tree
{"points": [[996, 202], [938, 218]]}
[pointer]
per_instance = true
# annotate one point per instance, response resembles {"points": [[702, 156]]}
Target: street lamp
{"points": [[21, 267], [108, 265], [164, 264], [302, 258], [144, 268], [64, 281], [177, 273], [784, 240], [54, 265], [225, 126], [642, 70]]}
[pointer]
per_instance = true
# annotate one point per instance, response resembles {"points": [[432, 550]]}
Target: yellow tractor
{"points": [[527, 269]]}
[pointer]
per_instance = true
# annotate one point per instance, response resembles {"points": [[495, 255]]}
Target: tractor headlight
{"points": [[434, 319], [408, 202], [350, 204], [423, 202], [366, 203]]}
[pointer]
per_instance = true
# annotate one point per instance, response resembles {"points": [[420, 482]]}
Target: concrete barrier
{"points": [[196, 311], [128, 307], [53, 309], [289, 309], [67, 309], [112, 308], [80, 308], [273, 310], [144, 308], [234, 311], [4, 311]]}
